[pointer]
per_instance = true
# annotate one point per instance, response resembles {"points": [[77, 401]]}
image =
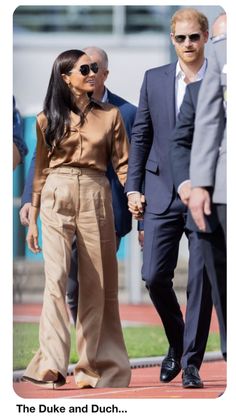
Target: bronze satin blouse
{"points": [[101, 139]]}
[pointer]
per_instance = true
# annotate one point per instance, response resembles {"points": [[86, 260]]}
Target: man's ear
{"points": [[172, 37], [206, 36], [106, 73]]}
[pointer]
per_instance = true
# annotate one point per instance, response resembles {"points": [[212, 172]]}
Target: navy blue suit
{"points": [[165, 220], [213, 240], [122, 216]]}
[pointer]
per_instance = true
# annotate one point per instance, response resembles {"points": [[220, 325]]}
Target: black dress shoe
{"points": [[170, 366], [191, 378]]}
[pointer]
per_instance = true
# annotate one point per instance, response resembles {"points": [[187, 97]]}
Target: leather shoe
{"points": [[191, 378], [170, 366], [47, 384]]}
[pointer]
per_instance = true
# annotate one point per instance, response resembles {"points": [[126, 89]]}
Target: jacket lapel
{"points": [[170, 93]]}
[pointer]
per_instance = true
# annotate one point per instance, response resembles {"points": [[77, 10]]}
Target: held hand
{"points": [[25, 214], [184, 192], [136, 204], [200, 205], [32, 238]]}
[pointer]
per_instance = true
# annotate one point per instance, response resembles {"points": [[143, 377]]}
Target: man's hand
{"points": [[136, 204], [25, 214], [200, 205], [184, 192]]}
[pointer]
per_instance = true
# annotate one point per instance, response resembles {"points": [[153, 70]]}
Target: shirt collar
{"points": [[218, 38], [98, 103], [105, 96], [104, 100], [199, 76]]}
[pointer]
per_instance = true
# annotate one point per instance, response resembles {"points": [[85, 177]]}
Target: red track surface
{"points": [[145, 381], [144, 384]]}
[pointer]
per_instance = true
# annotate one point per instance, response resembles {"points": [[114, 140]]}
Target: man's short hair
{"points": [[189, 14]]}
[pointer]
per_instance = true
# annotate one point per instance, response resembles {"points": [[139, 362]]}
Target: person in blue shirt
{"points": [[122, 216], [19, 147]]}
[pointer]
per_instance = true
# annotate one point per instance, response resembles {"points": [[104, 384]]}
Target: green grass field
{"points": [[141, 342]]}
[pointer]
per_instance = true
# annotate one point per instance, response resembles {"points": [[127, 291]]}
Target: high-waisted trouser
{"points": [[78, 201]]}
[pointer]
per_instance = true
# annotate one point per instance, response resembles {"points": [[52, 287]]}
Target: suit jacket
{"points": [[149, 155], [181, 145], [208, 157], [123, 218], [182, 136]]}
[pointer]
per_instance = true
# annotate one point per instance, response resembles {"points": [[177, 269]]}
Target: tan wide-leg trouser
{"points": [[79, 201]]}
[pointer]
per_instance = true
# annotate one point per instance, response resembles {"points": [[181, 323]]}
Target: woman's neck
{"points": [[82, 101]]}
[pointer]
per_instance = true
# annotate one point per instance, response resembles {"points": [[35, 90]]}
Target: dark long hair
{"points": [[59, 100]]}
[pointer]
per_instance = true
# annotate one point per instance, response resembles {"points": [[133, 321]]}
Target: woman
{"points": [[76, 138]]}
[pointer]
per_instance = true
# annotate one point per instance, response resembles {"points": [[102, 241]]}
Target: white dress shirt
{"points": [[180, 84]]}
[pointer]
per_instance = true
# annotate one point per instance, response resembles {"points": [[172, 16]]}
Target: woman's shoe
{"points": [[47, 384]]}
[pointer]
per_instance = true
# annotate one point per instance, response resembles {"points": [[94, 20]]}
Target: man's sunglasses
{"points": [[85, 69], [194, 37]]}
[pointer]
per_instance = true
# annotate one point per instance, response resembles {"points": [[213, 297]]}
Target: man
{"points": [[210, 155], [180, 157], [123, 220], [208, 166], [165, 215]]}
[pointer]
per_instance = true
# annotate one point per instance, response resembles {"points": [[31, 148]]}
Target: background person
{"points": [[208, 167], [20, 149]]}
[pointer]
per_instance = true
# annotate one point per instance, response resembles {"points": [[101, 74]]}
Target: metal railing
{"points": [[93, 19]]}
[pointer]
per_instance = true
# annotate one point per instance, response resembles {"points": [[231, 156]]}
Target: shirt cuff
{"points": [[36, 200], [180, 185], [132, 192]]}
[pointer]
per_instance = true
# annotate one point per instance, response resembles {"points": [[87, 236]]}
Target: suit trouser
{"points": [[162, 234], [79, 201], [216, 263], [221, 210]]}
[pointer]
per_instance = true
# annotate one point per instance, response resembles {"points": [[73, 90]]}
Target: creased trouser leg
{"points": [[54, 330], [103, 358], [83, 205]]}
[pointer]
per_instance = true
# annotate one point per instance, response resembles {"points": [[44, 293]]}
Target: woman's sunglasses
{"points": [[194, 37], [85, 69]]}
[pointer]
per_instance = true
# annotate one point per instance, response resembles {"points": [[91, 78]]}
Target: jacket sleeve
{"points": [[27, 193], [18, 137], [209, 128]]}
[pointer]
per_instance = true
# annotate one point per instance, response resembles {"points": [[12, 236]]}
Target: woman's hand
{"points": [[32, 235], [32, 238], [136, 202]]}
